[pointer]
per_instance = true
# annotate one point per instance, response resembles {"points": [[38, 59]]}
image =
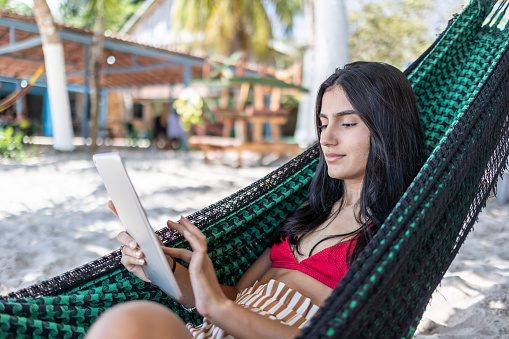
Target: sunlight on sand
{"points": [[53, 207]]}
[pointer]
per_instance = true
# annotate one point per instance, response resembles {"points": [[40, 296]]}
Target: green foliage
{"points": [[16, 7], [290, 102], [223, 69], [392, 31], [225, 26], [189, 105], [11, 144], [82, 13]]}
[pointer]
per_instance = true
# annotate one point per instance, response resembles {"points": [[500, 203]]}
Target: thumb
{"points": [[178, 253]]}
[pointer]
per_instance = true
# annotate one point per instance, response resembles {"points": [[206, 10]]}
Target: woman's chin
{"points": [[335, 174]]}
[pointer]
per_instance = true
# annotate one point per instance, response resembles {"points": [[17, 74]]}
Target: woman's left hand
{"points": [[208, 294]]}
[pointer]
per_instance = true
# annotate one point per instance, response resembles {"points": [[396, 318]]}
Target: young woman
{"points": [[370, 150]]}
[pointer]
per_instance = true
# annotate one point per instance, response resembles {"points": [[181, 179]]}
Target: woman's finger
{"points": [[134, 267], [191, 228], [135, 253], [132, 261], [186, 227], [178, 253], [127, 240], [111, 206], [198, 244], [176, 226], [183, 225]]}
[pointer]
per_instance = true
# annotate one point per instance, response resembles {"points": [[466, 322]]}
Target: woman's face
{"points": [[344, 137]]}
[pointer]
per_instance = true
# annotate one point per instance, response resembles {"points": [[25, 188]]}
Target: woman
{"points": [[370, 150]]}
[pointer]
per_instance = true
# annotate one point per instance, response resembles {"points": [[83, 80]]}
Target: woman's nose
{"points": [[327, 137]]}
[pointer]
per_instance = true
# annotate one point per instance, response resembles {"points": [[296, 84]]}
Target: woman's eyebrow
{"points": [[338, 114]]}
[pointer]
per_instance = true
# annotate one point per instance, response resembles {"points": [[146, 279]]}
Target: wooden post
{"points": [[244, 92], [275, 98], [259, 103], [225, 93]]}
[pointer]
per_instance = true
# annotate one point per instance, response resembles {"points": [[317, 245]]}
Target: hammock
{"points": [[14, 96], [462, 85]]}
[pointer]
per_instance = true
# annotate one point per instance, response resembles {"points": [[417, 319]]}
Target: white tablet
{"points": [[135, 221]]}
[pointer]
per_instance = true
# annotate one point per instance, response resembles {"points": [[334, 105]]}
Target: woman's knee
{"points": [[138, 319]]}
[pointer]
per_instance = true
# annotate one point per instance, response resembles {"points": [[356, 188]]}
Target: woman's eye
{"points": [[349, 125], [322, 127]]}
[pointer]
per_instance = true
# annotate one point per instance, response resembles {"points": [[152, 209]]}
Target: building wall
{"points": [[115, 120], [154, 28]]}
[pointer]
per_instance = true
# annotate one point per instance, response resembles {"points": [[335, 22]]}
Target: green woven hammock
{"points": [[462, 85]]}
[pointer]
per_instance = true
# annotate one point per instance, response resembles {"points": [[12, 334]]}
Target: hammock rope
{"points": [[448, 160], [9, 100], [462, 86]]}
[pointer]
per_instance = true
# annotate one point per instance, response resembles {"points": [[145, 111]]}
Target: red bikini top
{"points": [[327, 266]]}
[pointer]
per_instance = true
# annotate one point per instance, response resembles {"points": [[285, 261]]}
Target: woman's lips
{"points": [[331, 157]]}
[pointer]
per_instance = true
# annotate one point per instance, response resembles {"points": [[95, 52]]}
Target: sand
{"points": [[53, 213], [53, 217], [472, 299]]}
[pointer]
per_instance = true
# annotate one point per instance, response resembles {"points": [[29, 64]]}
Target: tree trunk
{"points": [[96, 52], [305, 133], [55, 74], [331, 37], [327, 49]]}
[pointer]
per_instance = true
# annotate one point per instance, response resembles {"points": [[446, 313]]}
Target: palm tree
{"points": [[55, 73], [327, 49], [227, 26], [96, 51], [99, 14], [16, 7], [231, 25]]}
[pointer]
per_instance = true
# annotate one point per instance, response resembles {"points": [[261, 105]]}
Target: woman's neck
{"points": [[352, 192]]}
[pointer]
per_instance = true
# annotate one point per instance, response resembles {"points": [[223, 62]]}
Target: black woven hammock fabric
{"points": [[462, 85]]}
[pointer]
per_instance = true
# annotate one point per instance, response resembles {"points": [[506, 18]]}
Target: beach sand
{"points": [[53, 217], [53, 213], [472, 300]]}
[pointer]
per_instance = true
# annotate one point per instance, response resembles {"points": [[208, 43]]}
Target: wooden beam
{"points": [[21, 45]]}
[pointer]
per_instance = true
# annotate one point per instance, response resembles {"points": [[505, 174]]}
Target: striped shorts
{"points": [[274, 300]]}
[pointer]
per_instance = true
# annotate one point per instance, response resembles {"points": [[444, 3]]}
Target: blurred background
{"points": [[176, 74]]}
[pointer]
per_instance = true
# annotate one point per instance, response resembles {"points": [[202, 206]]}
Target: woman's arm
{"points": [[254, 273], [241, 322], [133, 259], [210, 299]]}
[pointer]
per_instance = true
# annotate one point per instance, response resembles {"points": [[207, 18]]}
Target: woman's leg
{"points": [[139, 319]]}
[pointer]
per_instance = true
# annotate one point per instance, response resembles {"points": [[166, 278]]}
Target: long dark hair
{"points": [[385, 101]]}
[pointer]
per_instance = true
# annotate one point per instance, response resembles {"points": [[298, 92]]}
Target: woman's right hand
{"points": [[132, 257]]}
